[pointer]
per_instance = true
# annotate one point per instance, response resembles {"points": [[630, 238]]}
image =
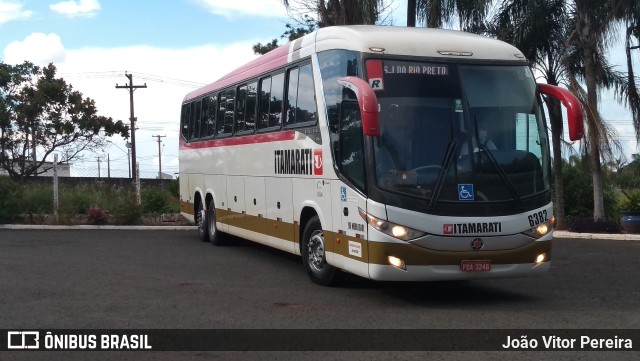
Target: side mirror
{"points": [[575, 116], [368, 103]]}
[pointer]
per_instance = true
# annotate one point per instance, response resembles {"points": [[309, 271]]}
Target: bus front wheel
{"points": [[314, 255]]}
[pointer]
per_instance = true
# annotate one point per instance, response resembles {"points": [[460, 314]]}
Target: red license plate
{"points": [[475, 266]]}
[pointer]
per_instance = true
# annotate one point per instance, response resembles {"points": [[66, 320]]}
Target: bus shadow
{"points": [[461, 294], [446, 294]]}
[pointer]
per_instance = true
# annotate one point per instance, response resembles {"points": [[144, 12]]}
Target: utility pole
{"points": [[159, 154], [108, 166], [132, 88], [98, 159]]}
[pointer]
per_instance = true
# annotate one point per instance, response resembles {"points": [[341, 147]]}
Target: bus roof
{"points": [[404, 41]]}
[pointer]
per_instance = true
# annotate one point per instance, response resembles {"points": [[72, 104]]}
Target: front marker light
{"points": [[541, 258], [392, 229]]}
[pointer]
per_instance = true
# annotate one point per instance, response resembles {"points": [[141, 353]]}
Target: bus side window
{"points": [[211, 115], [252, 102], [224, 125], [184, 120], [301, 103], [264, 101], [292, 97], [241, 97], [195, 120], [275, 108], [205, 117]]}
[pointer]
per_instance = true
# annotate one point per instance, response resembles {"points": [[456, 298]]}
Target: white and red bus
{"points": [[391, 153]]}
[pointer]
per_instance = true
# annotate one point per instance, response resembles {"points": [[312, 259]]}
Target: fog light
{"points": [[397, 263], [541, 258]]}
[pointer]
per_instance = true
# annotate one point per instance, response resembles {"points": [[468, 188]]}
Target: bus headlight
{"points": [[392, 229], [540, 230]]}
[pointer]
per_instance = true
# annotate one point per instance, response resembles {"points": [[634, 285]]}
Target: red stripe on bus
{"points": [[243, 140]]}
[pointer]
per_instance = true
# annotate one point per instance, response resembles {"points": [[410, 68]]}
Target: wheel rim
{"points": [[212, 224], [200, 217], [315, 251]]}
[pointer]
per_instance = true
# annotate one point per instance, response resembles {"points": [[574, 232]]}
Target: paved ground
{"points": [[70, 278]]}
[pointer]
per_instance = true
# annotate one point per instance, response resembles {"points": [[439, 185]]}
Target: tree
{"points": [[539, 29], [292, 33], [593, 29], [436, 13], [338, 12], [42, 113]]}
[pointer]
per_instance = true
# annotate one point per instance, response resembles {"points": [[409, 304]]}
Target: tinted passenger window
{"points": [[195, 120], [252, 101], [210, 117], [301, 104], [227, 113], [241, 97], [184, 121], [275, 107], [265, 96]]}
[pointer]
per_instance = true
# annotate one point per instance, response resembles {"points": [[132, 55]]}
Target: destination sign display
{"points": [[417, 68]]}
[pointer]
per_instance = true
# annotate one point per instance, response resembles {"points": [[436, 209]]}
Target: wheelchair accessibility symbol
{"points": [[465, 192]]}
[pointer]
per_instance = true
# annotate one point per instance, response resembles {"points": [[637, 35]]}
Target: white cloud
{"points": [[11, 11], [229, 8], [95, 72], [76, 8], [38, 48]]}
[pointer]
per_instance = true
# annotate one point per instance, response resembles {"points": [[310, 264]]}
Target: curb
{"points": [[89, 227], [615, 237]]}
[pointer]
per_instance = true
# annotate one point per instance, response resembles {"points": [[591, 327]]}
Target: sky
{"points": [[173, 47]]}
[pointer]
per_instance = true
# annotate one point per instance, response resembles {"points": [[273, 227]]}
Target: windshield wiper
{"points": [[443, 172], [484, 150]]}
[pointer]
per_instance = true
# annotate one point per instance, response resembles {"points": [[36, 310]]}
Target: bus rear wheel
{"points": [[201, 221], [314, 255], [214, 235]]}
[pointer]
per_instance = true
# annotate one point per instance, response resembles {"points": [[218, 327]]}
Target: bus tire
{"points": [[213, 233], [314, 256], [201, 221]]}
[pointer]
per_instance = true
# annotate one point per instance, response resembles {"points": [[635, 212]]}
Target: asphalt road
{"points": [[169, 279]]}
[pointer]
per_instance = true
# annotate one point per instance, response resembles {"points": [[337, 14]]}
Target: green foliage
{"points": [[632, 201], [578, 193], [9, 199], [37, 106], [126, 211], [36, 199], [157, 201]]}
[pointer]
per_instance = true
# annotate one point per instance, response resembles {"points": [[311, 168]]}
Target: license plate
{"points": [[475, 266]]}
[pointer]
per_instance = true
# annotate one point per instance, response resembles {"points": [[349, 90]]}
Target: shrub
{"points": [[9, 199], [96, 215], [588, 225], [126, 211], [632, 201], [156, 201]]}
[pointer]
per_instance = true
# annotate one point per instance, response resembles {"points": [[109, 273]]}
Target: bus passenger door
{"points": [[350, 161]]}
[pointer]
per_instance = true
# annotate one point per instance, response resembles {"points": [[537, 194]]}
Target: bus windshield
{"points": [[460, 133]]}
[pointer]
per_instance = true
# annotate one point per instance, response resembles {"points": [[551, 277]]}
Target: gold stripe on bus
{"points": [[419, 256], [376, 252]]}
